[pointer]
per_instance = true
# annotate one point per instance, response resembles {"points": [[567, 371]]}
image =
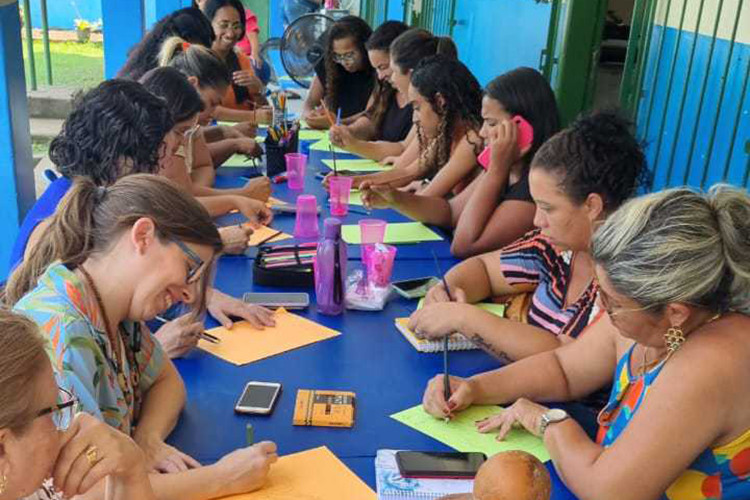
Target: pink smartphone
{"points": [[525, 139]]}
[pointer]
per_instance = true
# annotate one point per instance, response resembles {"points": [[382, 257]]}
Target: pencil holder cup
{"points": [[306, 224]]}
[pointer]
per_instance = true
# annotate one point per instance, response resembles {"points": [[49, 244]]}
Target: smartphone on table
{"points": [[258, 398], [439, 465], [415, 288], [290, 300]]}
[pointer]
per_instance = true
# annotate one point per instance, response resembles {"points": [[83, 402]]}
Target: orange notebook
{"points": [[244, 344], [311, 475]]}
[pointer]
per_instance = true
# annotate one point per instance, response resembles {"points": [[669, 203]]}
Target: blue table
{"points": [[370, 358]]}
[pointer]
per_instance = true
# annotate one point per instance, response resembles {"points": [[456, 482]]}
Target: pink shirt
{"points": [[251, 26]]}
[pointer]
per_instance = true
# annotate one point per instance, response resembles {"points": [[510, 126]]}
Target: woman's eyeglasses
{"points": [[63, 412], [194, 272], [349, 57]]}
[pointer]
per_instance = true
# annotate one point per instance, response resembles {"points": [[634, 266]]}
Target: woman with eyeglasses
{"points": [[577, 179], [344, 78], [45, 448], [111, 259], [674, 282]]}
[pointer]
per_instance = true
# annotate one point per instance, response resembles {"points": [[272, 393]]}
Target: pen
{"points": [[266, 240], [204, 335], [338, 117], [446, 378]]}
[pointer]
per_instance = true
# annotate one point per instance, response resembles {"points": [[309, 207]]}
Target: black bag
{"points": [[297, 271]]}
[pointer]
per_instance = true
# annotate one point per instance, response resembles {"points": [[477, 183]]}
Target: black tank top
{"points": [[396, 122]]}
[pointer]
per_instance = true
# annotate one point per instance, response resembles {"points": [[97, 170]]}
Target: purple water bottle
{"points": [[330, 269]]}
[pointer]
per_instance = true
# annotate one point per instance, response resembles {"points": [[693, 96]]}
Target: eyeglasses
{"points": [[64, 411], [349, 57], [606, 301], [194, 272]]}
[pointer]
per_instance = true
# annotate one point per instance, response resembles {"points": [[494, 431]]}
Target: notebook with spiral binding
{"points": [[457, 342], [391, 486]]}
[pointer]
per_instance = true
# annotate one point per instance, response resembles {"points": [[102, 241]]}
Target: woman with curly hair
{"points": [[496, 208], [447, 102], [578, 178], [344, 78]]}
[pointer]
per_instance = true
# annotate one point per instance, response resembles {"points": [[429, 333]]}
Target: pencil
{"points": [[266, 240], [446, 378], [204, 335]]}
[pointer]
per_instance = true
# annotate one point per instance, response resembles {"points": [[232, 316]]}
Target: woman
{"points": [[389, 113], [675, 284], [102, 142], [447, 102], [111, 259], [244, 94], [45, 446], [496, 208], [578, 177], [407, 50], [209, 76], [344, 78]]}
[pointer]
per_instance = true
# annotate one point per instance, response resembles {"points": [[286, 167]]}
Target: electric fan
{"points": [[303, 46]]}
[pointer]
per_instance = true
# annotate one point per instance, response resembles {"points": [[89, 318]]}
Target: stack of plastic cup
{"points": [[306, 224], [340, 187], [378, 261], [295, 170]]}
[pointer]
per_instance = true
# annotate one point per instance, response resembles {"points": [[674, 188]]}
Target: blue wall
{"points": [[61, 13], [702, 120], [496, 36]]}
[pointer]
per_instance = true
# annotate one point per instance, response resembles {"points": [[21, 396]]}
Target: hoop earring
{"points": [[674, 338], [3, 483]]}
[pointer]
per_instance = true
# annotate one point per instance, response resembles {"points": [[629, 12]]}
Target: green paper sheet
{"points": [[355, 198], [232, 124], [322, 145], [496, 309], [357, 165], [395, 232], [312, 135], [461, 433], [242, 161]]}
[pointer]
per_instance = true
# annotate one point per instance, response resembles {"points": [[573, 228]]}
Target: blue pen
{"points": [[338, 117]]}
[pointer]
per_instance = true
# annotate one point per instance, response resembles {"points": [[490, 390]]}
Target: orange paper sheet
{"points": [[310, 475], [244, 344], [264, 232]]}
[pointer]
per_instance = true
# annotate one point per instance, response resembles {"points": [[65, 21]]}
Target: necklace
{"points": [[132, 397]]}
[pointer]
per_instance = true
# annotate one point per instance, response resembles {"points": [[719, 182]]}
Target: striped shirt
{"points": [[532, 259]]}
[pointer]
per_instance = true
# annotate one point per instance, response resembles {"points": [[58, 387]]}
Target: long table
{"points": [[370, 358]]}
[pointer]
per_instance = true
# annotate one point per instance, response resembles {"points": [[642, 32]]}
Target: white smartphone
{"points": [[291, 300], [258, 398]]}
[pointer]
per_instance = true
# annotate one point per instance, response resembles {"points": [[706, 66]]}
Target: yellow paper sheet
{"points": [[359, 165], [244, 344], [323, 145], [395, 233], [232, 124], [310, 475], [264, 232], [312, 135], [275, 202]]}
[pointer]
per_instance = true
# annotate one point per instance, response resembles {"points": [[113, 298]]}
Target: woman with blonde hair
{"points": [[674, 283]]}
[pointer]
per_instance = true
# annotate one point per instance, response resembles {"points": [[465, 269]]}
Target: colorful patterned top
{"points": [[721, 473], [532, 259], [82, 354]]}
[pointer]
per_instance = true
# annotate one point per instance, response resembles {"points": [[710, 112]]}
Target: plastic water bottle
{"points": [[330, 269]]}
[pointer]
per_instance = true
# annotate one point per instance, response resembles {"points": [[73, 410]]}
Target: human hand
{"points": [[256, 211], [504, 148], [247, 146], [112, 453], [341, 136], [462, 396], [221, 306], [247, 79], [246, 469], [178, 337], [377, 196], [242, 130], [235, 238], [258, 188], [318, 119], [523, 412], [436, 321], [389, 160], [263, 114], [437, 294], [163, 458]]}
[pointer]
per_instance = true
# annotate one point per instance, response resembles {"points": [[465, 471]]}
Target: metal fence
{"points": [[31, 62], [686, 86]]}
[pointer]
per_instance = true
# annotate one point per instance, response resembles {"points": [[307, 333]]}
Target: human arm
{"points": [[256, 211], [461, 164], [427, 209], [348, 138], [222, 150], [222, 307], [311, 110], [203, 172]]}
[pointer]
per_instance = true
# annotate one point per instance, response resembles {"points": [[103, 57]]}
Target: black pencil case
{"points": [[293, 273]]}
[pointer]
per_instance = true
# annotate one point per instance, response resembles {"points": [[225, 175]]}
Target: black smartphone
{"points": [[415, 288], [444, 465], [258, 397]]}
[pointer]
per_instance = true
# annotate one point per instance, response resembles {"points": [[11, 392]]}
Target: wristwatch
{"points": [[552, 416]]}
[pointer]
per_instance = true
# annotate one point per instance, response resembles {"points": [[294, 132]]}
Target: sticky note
{"points": [[357, 165], [244, 344], [461, 432], [395, 232], [315, 474]]}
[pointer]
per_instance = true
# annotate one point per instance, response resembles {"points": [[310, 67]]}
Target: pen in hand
{"points": [[204, 335], [446, 378]]}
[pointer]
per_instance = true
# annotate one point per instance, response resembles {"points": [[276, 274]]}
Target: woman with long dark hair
{"points": [[344, 78]]}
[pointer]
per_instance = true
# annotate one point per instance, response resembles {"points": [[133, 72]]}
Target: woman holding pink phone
{"points": [[520, 114]]}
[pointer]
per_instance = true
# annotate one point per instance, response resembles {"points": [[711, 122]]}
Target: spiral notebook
{"points": [[391, 486]]}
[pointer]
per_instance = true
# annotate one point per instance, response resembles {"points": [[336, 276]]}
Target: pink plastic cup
{"points": [[371, 231], [340, 188], [306, 224], [295, 170], [378, 261]]}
